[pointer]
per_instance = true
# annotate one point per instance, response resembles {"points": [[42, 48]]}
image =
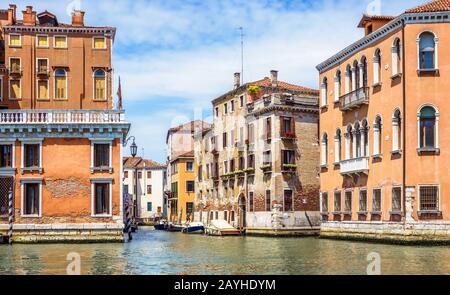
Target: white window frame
{"points": [[93, 85], [93, 42], [54, 41], [9, 40], [438, 197], [225, 109], [436, 50], [363, 189], [381, 198], [241, 99], [101, 181], [436, 139], [232, 106], [187, 170], [37, 41], [13, 57], [95, 141], [54, 85], [43, 58], [12, 143], [37, 90], [186, 187], [253, 194], [24, 142], [23, 182], [396, 59]]}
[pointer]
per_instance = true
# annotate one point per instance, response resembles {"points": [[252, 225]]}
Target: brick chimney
{"points": [[12, 14], [237, 80], [29, 16], [78, 18], [274, 78]]}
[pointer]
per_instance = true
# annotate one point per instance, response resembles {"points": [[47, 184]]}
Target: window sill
{"points": [[396, 152], [7, 169], [102, 169], [399, 213], [396, 76], [324, 166], [427, 71], [30, 216], [363, 213], [435, 151], [377, 85], [100, 99], [23, 170], [347, 213], [60, 99], [377, 156], [15, 46], [101, 215], [100, 49], [14, 99], [42, 99], [324, 107], [42, 47], [376, 213], [430, 212]]}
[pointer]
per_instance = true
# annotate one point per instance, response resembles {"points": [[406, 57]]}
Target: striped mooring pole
{"points": [[127, 228], [11, 216]]}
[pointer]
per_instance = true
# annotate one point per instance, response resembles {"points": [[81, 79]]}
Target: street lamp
{"points": [[133, 146], [133, 151]]}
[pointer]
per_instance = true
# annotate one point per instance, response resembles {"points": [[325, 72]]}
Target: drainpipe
{"points": [[404, 119]]}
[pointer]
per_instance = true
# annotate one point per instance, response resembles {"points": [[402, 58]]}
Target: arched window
{"points": [[427, 51], [363, 71], [348, 79], [356, 141], [356, 79], [337, 86], [60, 84], [349, 142], [364, 138], [427, 126], [100, 85], [324, 91], [337, 146], [377, 136], [396, 58], [324, 149], [377, 67], [396, 131]]}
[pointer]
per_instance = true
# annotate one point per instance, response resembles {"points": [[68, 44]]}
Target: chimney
{"points": [[78, 18], [274, 78], [237, 80], [12, 14], [29, 16]]}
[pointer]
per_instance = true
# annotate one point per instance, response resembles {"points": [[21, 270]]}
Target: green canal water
{"points": [[155, 252]]}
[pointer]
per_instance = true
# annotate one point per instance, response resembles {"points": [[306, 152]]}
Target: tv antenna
{"points": [[241, 29]]}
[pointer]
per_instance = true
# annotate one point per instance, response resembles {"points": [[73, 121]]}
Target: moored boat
{"points": [[194, 227]]}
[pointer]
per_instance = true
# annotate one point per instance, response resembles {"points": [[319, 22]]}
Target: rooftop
{"points": [[433, 6], [138, 162], [191, 126]]}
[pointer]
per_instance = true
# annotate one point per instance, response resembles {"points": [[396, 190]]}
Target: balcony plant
{"points": [[254, 91], [266, 167], [289, 167], [249, 170]]}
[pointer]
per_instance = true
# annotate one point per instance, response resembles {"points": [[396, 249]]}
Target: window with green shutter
{"points": [[149, 206]]}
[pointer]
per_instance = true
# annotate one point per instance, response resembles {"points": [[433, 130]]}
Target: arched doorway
{"points": [[242, 211]]}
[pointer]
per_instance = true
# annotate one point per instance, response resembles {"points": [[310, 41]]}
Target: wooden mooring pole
{"points": [[11, 216]]}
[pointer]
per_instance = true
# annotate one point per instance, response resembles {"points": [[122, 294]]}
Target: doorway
{"points": [[242, 212]]}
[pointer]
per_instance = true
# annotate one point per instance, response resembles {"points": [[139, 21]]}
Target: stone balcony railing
{"points": [[355, 166], [12, 117], [354, 99]]}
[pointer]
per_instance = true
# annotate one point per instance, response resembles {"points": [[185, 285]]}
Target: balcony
{"points": [[354, 99], [355, 166], [42, 71], [15, 70], [17, 117]]}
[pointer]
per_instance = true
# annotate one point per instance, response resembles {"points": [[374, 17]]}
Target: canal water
{"points": [[156, 252]]}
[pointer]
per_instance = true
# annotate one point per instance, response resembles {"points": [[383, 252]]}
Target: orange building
{"points": [[385, 154], [60, 139]]}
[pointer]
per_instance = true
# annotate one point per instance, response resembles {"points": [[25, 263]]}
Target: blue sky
{"points": [[175, 56]]}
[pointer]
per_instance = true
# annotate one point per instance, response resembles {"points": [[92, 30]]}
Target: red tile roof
{"points": [[366, 18], [138, 162], [266, 82], [433, 6]]}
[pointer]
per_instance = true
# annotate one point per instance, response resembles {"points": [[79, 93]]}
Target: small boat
{"points": [[194, 228], [221, 228], [162, 225], [175, 227]]}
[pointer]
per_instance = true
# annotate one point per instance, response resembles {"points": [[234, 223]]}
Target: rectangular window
{"points": [[287, 127], [60, 87], [251, 202], [396, 199], [189, 166], [15, 66], [149, 206], [190, 186], [6, 156], [31, 155], [241, 101], [42, 89], [225, 108], [241, 163], [189, 209], [429, 198], [31, 200], [15, 40], [268, 201], [216, 111], [60, 42], [325, 202], [363, 201], [337, 202], [100, 87], [224, 140], [174, 190], [42, 41], [42, 66], [288, 202], [232, 167], [101, 199], [232, 105], [251, 161], [267, 158], [15, 89], [268, 128], [288, 157], [376, 202], [101, 155], [225, 167], [149, 189], [149, 174], [139, 175], [99, 43], [250, 133], [232, 216], [348, 202]]}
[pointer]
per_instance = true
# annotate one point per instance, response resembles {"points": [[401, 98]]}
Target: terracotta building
{"points": [[257, 166], [61, 142], [384, 150], [180, 185]]}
